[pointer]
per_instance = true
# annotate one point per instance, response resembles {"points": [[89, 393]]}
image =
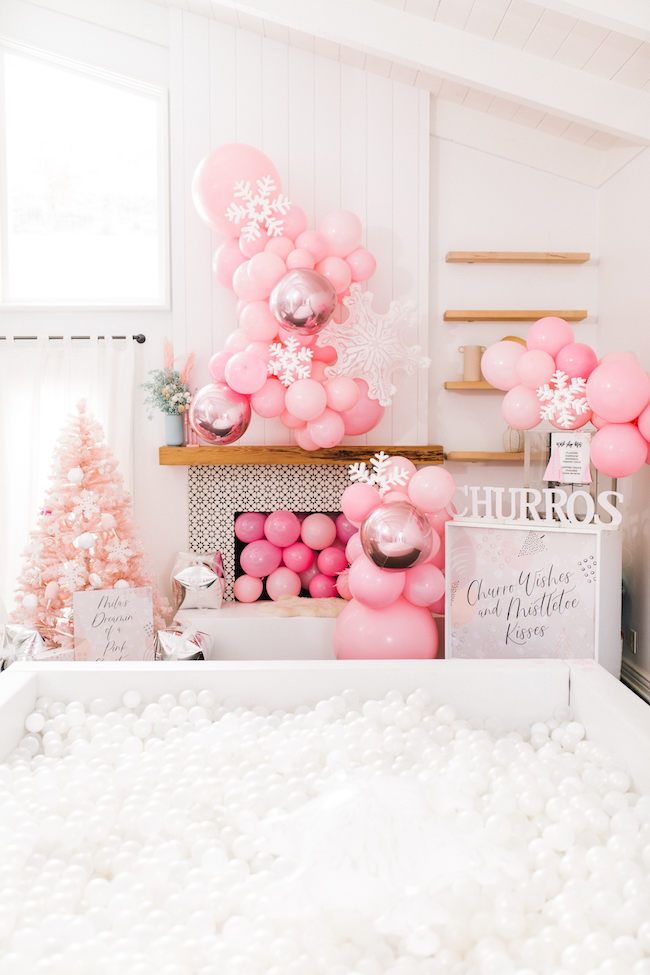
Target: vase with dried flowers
{"points": [[169, 392]]}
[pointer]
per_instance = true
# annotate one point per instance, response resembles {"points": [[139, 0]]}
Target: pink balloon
{"points": [[315, 243], [358, 501], [535, 368], [628, 357], [598, 421], [261, 350], [298, 557], [218, 414], [436, 542], [258, 322], [318, 372], [373, 586], [283, 582], [520, 408], [282, 528], [217, 365], [318, 531], [578, 420], [498, 364], [342, 392], [304, 439], [424, 585], [247, 589], [362, 264], [249, 526], [331, 561], [294, 222], [431, 488], [322, 587], [618, 390], [439, 606], [256, 278], [226, 260], [364, 415], [549, 334], [260, 558], [249, 248], [336, 271], [353, 548], [300, 257], [285, 333], [391, 496], [237, 341], [577, 360], [282, 246], [308, 575], [342, 231], [399, 631], [292, 422], [245, 372], [269, 400], [344, 529], [618, 449], [213, 184], [326, 354], [343, 584], [644, 423], [327, 430], [397, 462], [306, 399], [438, 520]]}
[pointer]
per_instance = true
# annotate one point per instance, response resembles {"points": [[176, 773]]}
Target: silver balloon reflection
{"points": [[303, 301], [396, 536], [219, 415]]}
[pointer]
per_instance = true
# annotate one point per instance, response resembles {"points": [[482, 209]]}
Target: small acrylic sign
{"points": [[569, 463], [113, 624]]}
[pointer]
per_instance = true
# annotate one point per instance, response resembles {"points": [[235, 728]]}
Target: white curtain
{"points": [[41, 382]]}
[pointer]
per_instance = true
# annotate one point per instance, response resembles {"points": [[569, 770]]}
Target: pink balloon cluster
{"points": [[395, 579], [615, 392], [290, 554], [288, 280]]}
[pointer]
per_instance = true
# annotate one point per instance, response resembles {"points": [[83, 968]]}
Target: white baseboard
{"points": [[636, 679]]}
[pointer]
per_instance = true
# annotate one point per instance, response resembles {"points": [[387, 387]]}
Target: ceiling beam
{"points": [[456, 55], [630, 17]]}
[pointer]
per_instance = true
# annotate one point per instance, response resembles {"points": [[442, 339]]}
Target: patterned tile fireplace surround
{"points": [[216, 494]]}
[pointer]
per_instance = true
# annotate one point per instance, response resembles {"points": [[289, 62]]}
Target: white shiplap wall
{"points": [[340, 136]]}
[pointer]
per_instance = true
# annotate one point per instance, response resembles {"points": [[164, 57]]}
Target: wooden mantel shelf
{"points": [[207, 456], [517, 257], [512, 314], [486, 456]]}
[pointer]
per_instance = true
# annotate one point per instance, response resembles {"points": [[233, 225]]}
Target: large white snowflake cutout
{"points": [[259, 209], [563, 399], [379, 474], [289, 361], [73, 576], [370, 346]]}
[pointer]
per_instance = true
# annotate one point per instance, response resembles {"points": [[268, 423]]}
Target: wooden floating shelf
{"points": [[511, 315], [208, 456], [461, 384], [486, 456], [517, 257]]}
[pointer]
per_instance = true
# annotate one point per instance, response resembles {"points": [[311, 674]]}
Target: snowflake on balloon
{"points": [[382, 473], [289, 361], [563, 400], [259, 208]]}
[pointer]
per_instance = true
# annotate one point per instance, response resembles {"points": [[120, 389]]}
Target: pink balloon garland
{"points": [[290, 281], [558, 379]]}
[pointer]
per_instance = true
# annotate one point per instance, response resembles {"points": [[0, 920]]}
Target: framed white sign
{"points": [[515, 591], [113, 624]]}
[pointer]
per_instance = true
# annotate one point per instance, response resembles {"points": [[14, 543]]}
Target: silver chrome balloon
{"points": [[396, 536], [173, 643], [303, 301], [219, 415]]}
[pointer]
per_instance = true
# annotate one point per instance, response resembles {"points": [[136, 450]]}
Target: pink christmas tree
{"points": [[85, 537]]}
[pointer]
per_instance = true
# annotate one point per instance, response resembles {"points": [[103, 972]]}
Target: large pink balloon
{"points": [[424, 585], [342, 231], [618, 390], [298, 557], [213, 184], [364, 415], [358, 500], [294, 221], [306, 399], [535, 368], [337, 272], [283, 582], [327, 430], [247, 589], [260, 558], [342, 393], [431, 488], [282, 528], [303, 301], [400, 631], [269, 400], [618, 449], [245, 372], [498, 364], [249, 526], [226, 260], [549, 334], [258, 322], [331, 561], [219, 415], [318, 531], [577, 360], [373, 586], [362, 264], [520, 408]]}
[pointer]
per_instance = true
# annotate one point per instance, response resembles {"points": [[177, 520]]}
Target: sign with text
{"points": [[518, 592], [113, 624], [569, 461]]}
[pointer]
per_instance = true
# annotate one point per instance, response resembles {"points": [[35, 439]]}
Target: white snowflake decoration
{"points": [[259, 208], [73, 576], [289, 361], [370, 346], [379, 474], [118, 551], [563, 399], [86, 504]]}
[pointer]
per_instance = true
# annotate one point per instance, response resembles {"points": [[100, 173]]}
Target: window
{"points": [[84, 179]]}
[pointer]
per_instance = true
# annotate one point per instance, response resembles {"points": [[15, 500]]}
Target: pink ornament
{"points": [[292, 422], [342, 392], [424, 585], [400, 631], [258, 322], [535, 368], [315, 243], [298, 557], [282, 583], [521, 408], [577, 360], [364, 415], [217, 365], [549, 334], [306, 399], [214, 181], [226, 260], [260, 558], [245, 372], [644, 423], [373, 586], [358, 501], [343, 584], [331, 561], [300, 258], [353, 548], [396, 536], [303, 301], [618, 450], [362, 264], [431, 488], [282, 528], [219, 415], [322, 587], [247, 589], [618, 390], [342, 231], [344, 529], [327, 430], [318, 531], [498, 364], [269, 400], [282, 246], [249, 526], [336, 271]]}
